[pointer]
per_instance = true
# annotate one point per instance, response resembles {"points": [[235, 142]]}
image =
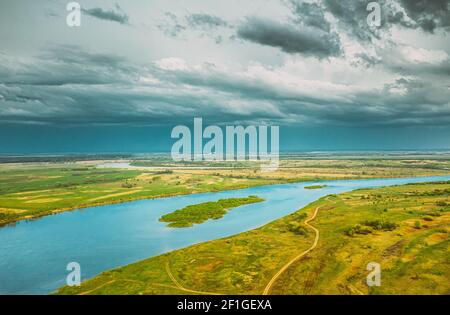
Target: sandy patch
{"points": [[9, 210], [436, 238], [40, 196], [146, 176], [31, 192], [43, 200], [97, 191], [115, 195]]}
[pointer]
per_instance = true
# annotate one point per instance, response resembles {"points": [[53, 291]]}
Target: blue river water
{"points": [[34, 254]]}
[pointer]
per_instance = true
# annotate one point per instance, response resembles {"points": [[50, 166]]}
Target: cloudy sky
{"points": [[135, 69]]}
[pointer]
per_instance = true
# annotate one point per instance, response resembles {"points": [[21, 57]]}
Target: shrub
{"points": [[417, 224], [165, 172], [363, 229], [297, 228], [380, 225], [358, 229], [299, 216], [127, 185], [368, 227], [349, 231]]}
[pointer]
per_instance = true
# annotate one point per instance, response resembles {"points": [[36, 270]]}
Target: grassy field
{"points": [[403, 228], [30, 190], [199, 213]]}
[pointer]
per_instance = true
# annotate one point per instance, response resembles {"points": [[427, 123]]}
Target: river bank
{"points": [[109, 236], [404, 229]]}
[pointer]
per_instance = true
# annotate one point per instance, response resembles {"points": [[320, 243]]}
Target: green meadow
{"points": [[403, 228]]}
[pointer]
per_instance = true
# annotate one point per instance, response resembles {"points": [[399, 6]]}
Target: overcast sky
{"points": [[134, 69]]}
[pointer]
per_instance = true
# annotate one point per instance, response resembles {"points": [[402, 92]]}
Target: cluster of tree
{"points": [[164, 172], [437, 192], [367, 227], [297, 228], [127, 184]]}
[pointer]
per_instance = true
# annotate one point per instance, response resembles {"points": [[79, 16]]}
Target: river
{"points": [[34, 254]]}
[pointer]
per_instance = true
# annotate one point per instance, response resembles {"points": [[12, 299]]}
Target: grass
{"points": [[31, 190], [199, 213], [414, 259]]}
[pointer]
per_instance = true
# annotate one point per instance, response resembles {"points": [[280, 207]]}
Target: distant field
{"points": [[29, 190], [403, 228]]}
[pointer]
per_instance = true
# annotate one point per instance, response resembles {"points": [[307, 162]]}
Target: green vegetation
{"points": [[31, 190], [296, 226], [369, 226], [199, 213], [414, 257], [315, 186]]}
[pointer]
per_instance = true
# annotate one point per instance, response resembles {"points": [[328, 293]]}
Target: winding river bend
{"points": [[34, 254]]}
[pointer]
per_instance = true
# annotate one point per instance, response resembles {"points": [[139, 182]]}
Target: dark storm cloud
{"points": [[429, 15], [310, 14], [62, 65], [205, 20], [290, 38], [70, 86], [207, 24], [352, 14], [67, 85], [108, 15], [404, 102], [325, 71]]}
